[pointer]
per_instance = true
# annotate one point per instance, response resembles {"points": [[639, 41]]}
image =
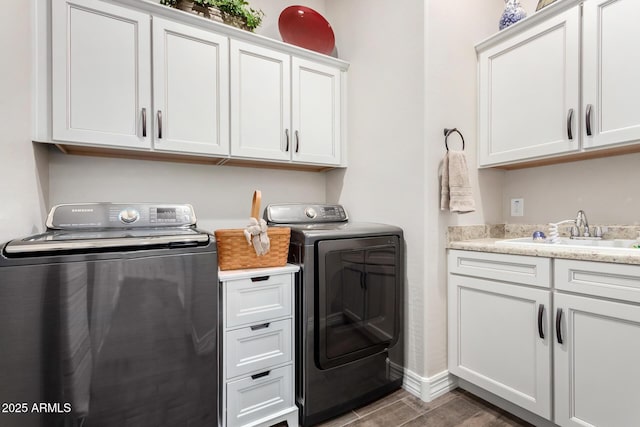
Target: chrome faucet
{"points": [[581, 220]]}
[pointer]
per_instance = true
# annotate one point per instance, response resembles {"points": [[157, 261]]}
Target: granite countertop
{"points": [[483, 238]]}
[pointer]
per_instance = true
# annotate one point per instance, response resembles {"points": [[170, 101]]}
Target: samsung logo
{"points": [[79, 210]]}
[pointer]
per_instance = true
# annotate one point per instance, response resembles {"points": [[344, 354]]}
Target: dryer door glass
{"points": [[358, 298]]}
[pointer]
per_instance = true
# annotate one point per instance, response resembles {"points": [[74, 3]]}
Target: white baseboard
{"points": [[428, 388]]}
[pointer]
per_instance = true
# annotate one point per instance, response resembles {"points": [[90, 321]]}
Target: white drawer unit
{"points": [[257, 347], [253, 299], [259, 396]]}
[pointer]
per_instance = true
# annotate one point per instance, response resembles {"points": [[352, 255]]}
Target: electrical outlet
{"points": [[517, 207]]}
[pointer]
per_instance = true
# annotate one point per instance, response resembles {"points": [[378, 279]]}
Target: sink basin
{"points": [[613, 244]]}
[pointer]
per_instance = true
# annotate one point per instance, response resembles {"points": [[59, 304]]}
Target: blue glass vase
{"points": [[513, 12]]}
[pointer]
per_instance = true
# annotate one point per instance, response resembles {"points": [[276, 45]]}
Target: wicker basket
{"points": [[235, 253]]}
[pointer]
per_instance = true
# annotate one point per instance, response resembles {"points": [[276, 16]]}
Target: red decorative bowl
{"points": [[304, 27]]}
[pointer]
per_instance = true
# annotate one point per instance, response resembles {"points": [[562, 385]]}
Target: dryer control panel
{"points": [[304, 213]]}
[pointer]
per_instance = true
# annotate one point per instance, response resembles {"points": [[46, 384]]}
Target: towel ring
{"points": [[448, 132]]}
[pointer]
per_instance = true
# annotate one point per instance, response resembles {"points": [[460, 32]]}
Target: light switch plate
{"points": [[517, 207]]}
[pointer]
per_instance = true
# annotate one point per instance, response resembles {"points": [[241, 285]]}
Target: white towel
{"points": [[455, 190], [256, 235]]}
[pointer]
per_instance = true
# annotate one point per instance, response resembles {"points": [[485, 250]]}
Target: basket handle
{"points": [[255, 205]]}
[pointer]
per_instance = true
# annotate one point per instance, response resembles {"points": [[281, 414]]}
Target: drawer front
{"points": [[617, 281], [250, 301], [252, 398], [527, 270], [258, 347]]}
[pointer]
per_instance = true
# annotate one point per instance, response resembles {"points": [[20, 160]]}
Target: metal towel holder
{"points": [[448, 132]]}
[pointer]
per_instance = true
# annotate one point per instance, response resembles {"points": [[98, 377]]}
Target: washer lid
{"points": [[62, 240]]}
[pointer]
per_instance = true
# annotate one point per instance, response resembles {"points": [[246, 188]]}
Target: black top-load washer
{"points": [[349, 308], [110, 318]]}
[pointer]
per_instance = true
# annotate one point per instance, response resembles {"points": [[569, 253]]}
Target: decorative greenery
{"points": [[241, 9], [236, 8]]}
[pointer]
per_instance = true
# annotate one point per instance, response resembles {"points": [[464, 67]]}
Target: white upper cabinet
{"points": [[144, 77], [101, 88], [561, 85], [190, 89], [529, 92], [315, 112], [611, 66], [260, 102], [284, 108]]}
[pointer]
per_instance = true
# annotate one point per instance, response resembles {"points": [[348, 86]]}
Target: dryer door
{"points": [[358, 296]]}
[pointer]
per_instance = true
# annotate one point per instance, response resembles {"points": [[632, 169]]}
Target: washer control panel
{"points": [[119, 215], [300, 213]]}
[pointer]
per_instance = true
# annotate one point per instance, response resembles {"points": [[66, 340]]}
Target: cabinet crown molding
{"points": [[535, 18], [157, 9]]}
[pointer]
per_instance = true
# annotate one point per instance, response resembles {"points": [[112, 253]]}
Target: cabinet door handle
{"points": [[260, 279], [588, 119], [570, 124], [286, 134], [260, 375], [262, 326], [297, 141], [540, 314], [159, 124], [559, 326], [144, 122]]}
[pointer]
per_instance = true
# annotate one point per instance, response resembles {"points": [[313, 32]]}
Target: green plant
{"points": [[241, 9]]}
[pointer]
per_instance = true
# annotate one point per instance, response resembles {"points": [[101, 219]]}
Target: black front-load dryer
{"points": [[349, 308]]}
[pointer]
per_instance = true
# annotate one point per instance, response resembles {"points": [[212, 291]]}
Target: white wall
{"points": [[606, 189], [383, 182], [453, 28], [412, 75], [23, 185], [221, 195]]}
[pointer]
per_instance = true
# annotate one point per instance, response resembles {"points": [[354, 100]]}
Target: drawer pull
{"points": [[259, 278], [540, 313], [260, 375], [263, 326], [559, 326]]}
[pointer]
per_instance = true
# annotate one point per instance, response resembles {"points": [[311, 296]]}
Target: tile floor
{"points": [[455, 409]]}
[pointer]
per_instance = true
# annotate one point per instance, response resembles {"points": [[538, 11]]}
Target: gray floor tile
{"points": [[340, 420], [450, 414], [422, 407], [395, 414], [381, 403]]}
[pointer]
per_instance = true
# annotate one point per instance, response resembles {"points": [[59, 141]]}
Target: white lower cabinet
{"points": [[509, 339], [257, 347], [597, 344], [499, 334]]}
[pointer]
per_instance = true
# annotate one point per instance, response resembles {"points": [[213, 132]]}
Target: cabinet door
{"points": [[101, 74], [611, 87], [315, 112], [260, 102], [529, 93], [596, 375], [191, 89], [495, 341]]}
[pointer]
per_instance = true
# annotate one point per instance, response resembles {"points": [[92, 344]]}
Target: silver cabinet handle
{"points": [[286, 134], [588, 119], [144, 122], [159, 124], [570, 124], [297, 141]]}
